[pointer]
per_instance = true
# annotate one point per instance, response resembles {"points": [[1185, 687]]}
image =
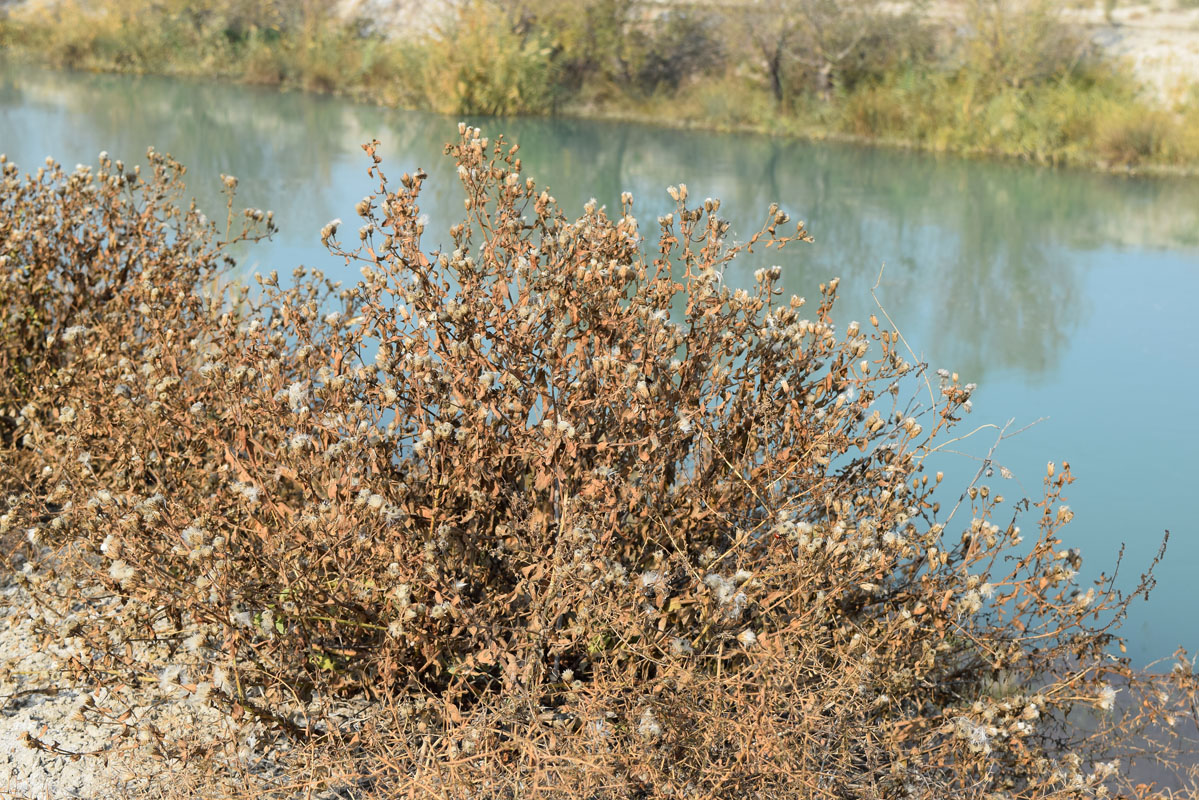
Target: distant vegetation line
{"points": [[1013, 79]]}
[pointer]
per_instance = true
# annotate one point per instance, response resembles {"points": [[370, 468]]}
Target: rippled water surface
{"points": [[1068, 297]]}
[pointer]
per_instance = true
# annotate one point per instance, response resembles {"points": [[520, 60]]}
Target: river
{"points": [[1069, 297]]}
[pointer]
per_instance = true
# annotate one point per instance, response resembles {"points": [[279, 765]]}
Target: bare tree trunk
{"points": [[776, 72], [824, 81]]}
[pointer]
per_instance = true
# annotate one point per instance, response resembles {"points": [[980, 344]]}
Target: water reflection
{"points": [[975, 253], [1036, 284]]}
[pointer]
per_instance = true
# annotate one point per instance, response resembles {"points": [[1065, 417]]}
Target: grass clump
{"points": [[561, 511]]}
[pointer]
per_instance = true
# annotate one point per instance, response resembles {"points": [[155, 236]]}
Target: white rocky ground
{"points": [[39, 699], [62, 737], [1160, 41]]}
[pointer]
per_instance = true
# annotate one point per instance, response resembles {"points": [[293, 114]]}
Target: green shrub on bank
{"points": [[282, 43], [480, 65], [569, 514]]}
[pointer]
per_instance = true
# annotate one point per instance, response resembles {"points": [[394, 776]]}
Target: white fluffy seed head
{"points": [[648, 726], [194, 642], [1106, 698], [121, 572]]}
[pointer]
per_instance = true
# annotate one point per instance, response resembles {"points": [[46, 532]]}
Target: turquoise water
{"points": [[1068, 297]]}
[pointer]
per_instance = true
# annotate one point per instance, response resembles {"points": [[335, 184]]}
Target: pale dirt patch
{"points": [[1159, 41], [38, 698], [157, 739]]}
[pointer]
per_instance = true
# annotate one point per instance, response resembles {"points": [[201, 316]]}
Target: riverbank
{"points": [[1062, 88]]}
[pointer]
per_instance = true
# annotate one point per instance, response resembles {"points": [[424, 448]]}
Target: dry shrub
{"points": [[1133, 137], [575, 518], [93, 254]]}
